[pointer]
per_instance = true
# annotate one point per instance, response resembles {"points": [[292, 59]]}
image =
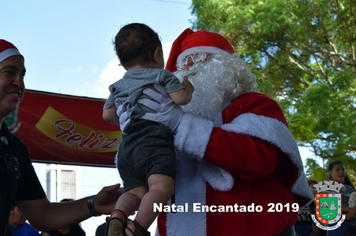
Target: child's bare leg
{"points": [[125, 205], [129, 201], [160, 190]]}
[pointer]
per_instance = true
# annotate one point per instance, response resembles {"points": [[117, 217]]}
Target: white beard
{"points": [[214, 87]]}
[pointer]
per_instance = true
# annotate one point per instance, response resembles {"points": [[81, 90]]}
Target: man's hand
{"points": [[105, 200]]}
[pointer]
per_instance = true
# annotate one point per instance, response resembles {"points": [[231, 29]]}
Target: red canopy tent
{"points": [[65, 129]]}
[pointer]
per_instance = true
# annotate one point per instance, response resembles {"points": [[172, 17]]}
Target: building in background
{"points": [[62, 181]]}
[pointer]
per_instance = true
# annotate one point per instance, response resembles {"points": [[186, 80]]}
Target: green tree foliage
{"points": [[303, 54], [315, 171]]}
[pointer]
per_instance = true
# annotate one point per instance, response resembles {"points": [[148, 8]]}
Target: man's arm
{"points": [[44, 215]]}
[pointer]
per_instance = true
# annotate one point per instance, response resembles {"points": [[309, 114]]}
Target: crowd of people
{"points": [[229, 145], [305, 226]]}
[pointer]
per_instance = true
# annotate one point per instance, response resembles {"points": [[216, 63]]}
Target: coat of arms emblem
{"points": [[328, 206]]}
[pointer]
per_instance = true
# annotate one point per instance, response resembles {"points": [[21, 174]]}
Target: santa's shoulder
{"points": [[255, 103], [253, 97]]}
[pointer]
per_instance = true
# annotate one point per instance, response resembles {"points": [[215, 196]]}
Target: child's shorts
{"points": [[146, 148]]}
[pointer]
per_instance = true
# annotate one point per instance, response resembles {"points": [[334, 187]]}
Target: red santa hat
{"points": [[190, 42], [7, 49]]}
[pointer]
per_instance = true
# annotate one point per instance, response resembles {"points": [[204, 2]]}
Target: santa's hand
{"points": [[167, 112], [122, 114]]}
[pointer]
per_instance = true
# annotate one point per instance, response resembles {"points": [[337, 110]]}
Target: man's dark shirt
{"points": [[18, 180]]}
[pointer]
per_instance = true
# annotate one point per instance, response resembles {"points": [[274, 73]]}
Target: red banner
{"points": [[65, 129]]}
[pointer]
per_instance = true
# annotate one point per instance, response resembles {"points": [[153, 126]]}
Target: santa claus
{"points": [[239, 168]]}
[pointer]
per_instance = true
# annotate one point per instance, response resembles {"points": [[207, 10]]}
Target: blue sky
{"points": [[68, 49], [68, 44]]}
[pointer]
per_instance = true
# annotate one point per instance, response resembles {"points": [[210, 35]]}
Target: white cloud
{"points": [[166, 49], [77, 69], [94, 69], [113, 72]]}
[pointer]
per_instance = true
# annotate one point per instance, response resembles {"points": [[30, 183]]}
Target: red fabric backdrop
{"points": [[65, 129]]}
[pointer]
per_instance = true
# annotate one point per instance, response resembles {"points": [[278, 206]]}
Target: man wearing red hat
{"points": [[239, 168], [19, 184]]}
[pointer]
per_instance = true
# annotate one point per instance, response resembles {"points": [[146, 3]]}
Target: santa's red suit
{"points": [[245, 166]]}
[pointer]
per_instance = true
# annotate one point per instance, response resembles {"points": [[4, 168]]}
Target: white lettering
{"points": [[198, 207], [159, 207]]}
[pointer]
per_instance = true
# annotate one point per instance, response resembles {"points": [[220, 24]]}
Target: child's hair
{"points": [[135, 44]]}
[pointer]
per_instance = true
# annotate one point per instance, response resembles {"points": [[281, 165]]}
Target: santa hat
{"points": [[7, 49], [190, 42]]}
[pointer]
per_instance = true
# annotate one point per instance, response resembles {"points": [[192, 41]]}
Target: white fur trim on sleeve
{"points": [[277, 133], [193, 135], [217, 177]]}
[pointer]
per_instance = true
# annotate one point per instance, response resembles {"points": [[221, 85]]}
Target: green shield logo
{"points": [[328, 208]]}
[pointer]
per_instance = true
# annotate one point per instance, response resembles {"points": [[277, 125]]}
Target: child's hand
{"points": [[186, 83]]}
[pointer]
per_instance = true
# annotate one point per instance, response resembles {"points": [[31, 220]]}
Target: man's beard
{"points": [[214, 87]]}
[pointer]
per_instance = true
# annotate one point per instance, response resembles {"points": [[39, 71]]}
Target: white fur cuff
{"points": [[193, 135], [217, 177]]}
